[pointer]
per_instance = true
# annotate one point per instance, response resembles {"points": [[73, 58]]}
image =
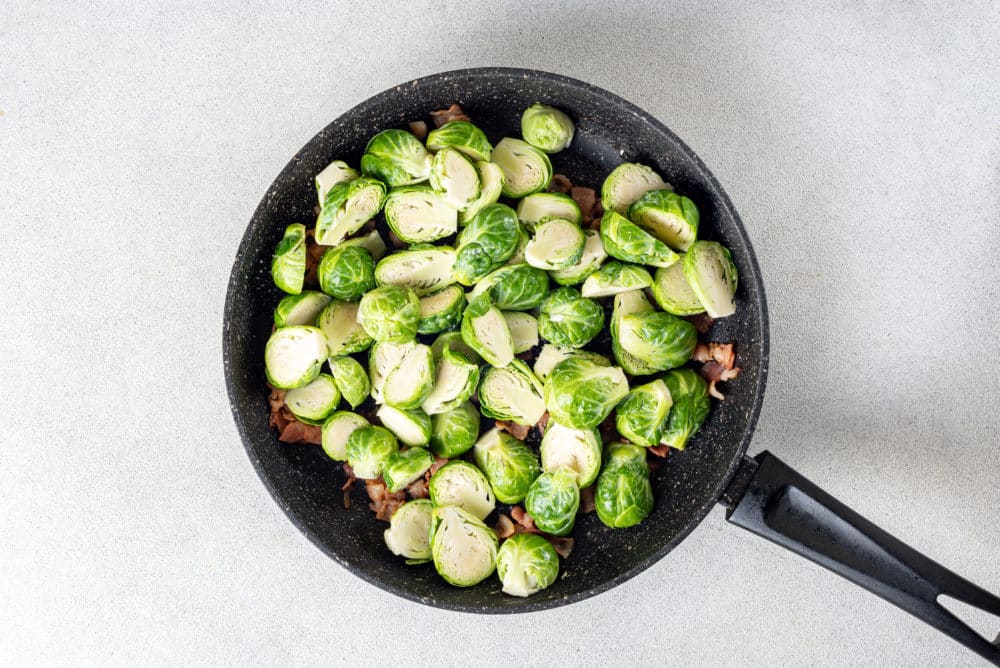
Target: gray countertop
{"points": [[860, 145]]}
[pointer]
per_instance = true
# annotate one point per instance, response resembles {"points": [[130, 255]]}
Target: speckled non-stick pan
{"points": [[763, 494]]}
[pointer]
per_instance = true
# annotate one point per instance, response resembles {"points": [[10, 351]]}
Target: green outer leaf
{"points": [[463, 136], [411, 426], [546, 128], [660, 340], [509, 465], [340, 215], [390, 313], [351, 379], [691, 405], [526, 564], [506, 393], [672, 292], [619, 455], [288, 266], [671, 218], [465, 567], [454, 342], [300, 309], [641, 416], [419, 214], [580, 393], [553, 501], [628, 242], [709, 270], [516, 287], [633, 301], [404, 467], [526, 170], [314, 402], [397, 158], [568, 319], [441, 310], [626, 183], [454, 432], [590, 261], [346, 273], [550, 355]]}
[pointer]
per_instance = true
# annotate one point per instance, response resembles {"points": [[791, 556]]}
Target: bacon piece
{"points": [[419, 129], [452, 113], [597, 211], [349, 485], [395, 241], [523, 519], [563, 544], [587, 500], [276, 400], [543, 422], [299, 432], [314, 253], [316, 210], [659, 450], [438, 463], [518, 431], [701, 353], [584, 198], [418, 489], [384, 503], [714, 372], [701, 321], [504, 527], [560, 184]]}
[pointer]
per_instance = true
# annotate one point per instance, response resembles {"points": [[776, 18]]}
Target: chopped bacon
{"points": [[597, 211], [314, 253], [276, 399], [560, 184], [395, 241], [384, 502], [584, 198], [299, 432], [587, 500], [518, 431], [719, 365], [526, 524], [349, 485], [452, 113], [504, 527], [438, 463], [316, 210], [417, 489], [701, 353], [543, 422], [563, 544], [659, 450], [419, 129], [701, 321]]}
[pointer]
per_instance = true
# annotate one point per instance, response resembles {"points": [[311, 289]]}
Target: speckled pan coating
{"points": [[609, 130]]}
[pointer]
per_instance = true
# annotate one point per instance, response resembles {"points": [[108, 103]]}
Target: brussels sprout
{"points": [[557, 244], [300, 309], [523, 330], [709, 270], [489, 239], [314, 402], [368, 448], [576, 449], [526, 170], [346, 273], [551, 354], [580, 393], [383, 359], [509, 465], [419, 214], [463, 136], [626, 183], [441, 310], [539, 207], [412, 427], [615, 277], [337, 429], [371, 242], [511, 393], [672, 292], [344, 334], [522, 243], [423, 270], [691, 405], [336, 172], [568, 319], [455, 379], [456, 178], [627, 303], [346, 208], [590, 261], [463, 548], [516, 287], [625, 455], [546, 128], [526, 564], [390, 313], [661, 340], [461, 484], [485, 331], [671, 218], [409, 531], [454, 432], [288, 266], [641, 416], [397, 158], [404, 467], [453, 341], [553, 501], [351, 379], [294, 356], [623, 496], [628, 242], [491, 187], [411, 381]]}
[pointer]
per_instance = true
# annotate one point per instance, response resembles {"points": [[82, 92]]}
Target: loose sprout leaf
{"points": [[288, 267], [672, 292], [709, 270], [557, 244], [485, 331], [351, 379], [294, 356], [546, 128], [581, 393], [390, 313], [300, 309], [455, 380], [463, 548], [397, 158], [409, 384], [336, 172], [553, 500], [576, 449], [591, 258], [491, 187], [614, 278], [662, 341], [671, 218], [456, 178], [518, 287], [626, 183], [454, 432], [539, 207], [344, 334], [462, 136], [314, 402], [337, 429], [346, 208], [419, 214], [409, 530], [690, 407], [404, 467], [525, 169], [371, 242], [509, 465], [368, 448], [642, 415], [628, 242], [424, 270], [523, 330], [511, 393], [461, 484], [568, 319], [346, 273], [526, 564]]}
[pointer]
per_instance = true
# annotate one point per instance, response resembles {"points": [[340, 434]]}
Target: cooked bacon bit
{"points": [[418, 489], [701, 353], [597, 211], [563, 544], [452, 113], [504, 527], [527, 525], [395, 241], [719, 365], [560, 184], [712, 371], [723, 354], [298, 432], [518, 431], [316, 210], [701, 321], [526, 356], [384, 503], [587, 500], [438, 463], [314, 253], [349, 485], [543, 422], [659, 450], [276, 399], [584, 198], [419, 129]]}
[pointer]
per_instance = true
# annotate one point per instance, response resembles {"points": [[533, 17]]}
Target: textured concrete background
{"points": [[860, 144]]}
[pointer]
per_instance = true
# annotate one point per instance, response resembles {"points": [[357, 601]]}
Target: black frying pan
{"points": [[762, 494]]}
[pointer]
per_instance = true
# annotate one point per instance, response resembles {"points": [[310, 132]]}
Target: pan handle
{"points": [[770, 499]]}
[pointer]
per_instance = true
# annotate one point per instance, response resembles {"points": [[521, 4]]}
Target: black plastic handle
{"points": [[770, 499]]}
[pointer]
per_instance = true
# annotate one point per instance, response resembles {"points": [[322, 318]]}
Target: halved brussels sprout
{"points": [[463, 136], [672, 292], [526, 564], [546, 128], [456, 178], [288, 266], [404, 467], [419, 214], [488, 240], [411, 381], [523, 330], [453, 341], [522, 243], [461, 484], [557, 244], [628, 242], [525, 169], [491, 187], [397, 158], [454, 432], [568, 319], [626, 183], [623, 496], [390, 313], [423, 270], [409, 531], [485, 331], [294, 356], [642, 414], [709, 270], [463, 548], [337, 429], [412, 427], [382, 360], [516, 287], [351, 379], [591, 258], [580, 393], [346, 208], [441, 310], [346, 273], [368, 448], [671, 218], [511, 393], [614, 278], [344, 334], [627, 303], [661, 340], [509, 465], [576, 449], [336, 172], [551, 354], [539, 207], [691, 405], [314, 402], [300, 309], [553, 501], [371, 242], [455, 379]]}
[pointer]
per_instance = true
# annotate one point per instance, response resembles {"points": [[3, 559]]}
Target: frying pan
{"points": [[761, 493]]}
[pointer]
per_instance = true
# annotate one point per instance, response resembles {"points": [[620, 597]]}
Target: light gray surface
{"points": [[860, 145]]}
